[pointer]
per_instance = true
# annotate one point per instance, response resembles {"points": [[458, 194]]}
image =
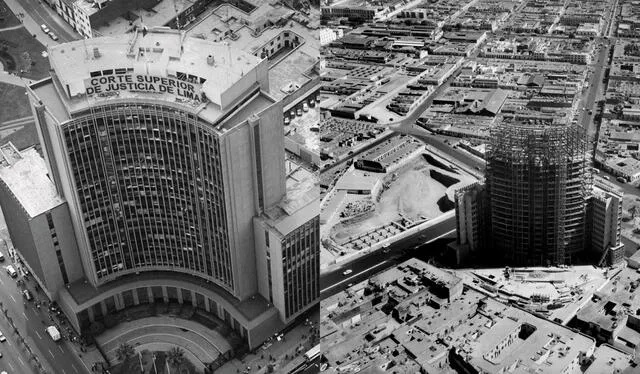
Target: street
{"points": [[363, 267], [37, 13], [31, 323]]}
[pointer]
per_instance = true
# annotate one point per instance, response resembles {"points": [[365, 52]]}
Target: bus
{"points": [[313, 353]]}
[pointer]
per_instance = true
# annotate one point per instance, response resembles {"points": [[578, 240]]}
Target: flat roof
{"points": [[301, 202], [25, 174], [221, 73], [608, 360], [82, 291], [159, 15], [290, 69]]}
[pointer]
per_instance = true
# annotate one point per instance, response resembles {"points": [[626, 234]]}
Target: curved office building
{"points": [[150, 188], [166, 149], [538, 184]]}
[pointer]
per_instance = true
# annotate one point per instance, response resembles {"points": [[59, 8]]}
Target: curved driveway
{"points": [[200, 342]]}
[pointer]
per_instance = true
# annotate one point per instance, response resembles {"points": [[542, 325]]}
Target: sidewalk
{"points": [[281, 353], [34, 27], [15, 80]]}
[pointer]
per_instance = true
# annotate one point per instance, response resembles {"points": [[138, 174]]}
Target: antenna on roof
{"points": [[84, 44], [175, 8], [144, 28]]}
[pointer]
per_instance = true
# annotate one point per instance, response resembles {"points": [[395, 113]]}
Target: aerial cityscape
{"points": [[335, 186]]}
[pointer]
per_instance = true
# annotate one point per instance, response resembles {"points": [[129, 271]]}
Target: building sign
{"points": [[112, 84]]}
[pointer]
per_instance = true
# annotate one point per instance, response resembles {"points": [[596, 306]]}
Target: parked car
{"points": [[27, 295], [53, 36], [2, 338], [11, 271], [44, 28]]}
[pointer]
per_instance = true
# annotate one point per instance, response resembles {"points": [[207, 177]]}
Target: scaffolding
{"points": [[538, 182]]}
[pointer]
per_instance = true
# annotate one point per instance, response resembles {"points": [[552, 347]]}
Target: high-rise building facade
{"points": [[538, 205], [165, 150], [538, 182], [605, 208], [471, 220]]}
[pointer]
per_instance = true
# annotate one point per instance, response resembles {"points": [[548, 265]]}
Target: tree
{"points": [[175, 357], [124, 352]]}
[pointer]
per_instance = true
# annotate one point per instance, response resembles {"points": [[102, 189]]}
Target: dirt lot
{"points": [[414, 195]]}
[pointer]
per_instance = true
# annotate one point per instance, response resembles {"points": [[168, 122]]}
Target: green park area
{"points": [[22, 54], [15, 103], [7, 18]]}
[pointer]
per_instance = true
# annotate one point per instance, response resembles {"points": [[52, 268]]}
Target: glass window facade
{"points": [[149, 183], [301, 266]]}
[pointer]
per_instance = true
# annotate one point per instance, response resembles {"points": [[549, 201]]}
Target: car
{"points": [[53, 36], [27, 295], [347, 272], [11, 271], [1, 257], [44, 28], [2, 337]]}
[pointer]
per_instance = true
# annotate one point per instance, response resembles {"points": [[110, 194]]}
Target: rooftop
{"points": [[161, 63], [395, 320], [608, 360], [26, 176], [159, 15], [82, 292], [301, 202]]}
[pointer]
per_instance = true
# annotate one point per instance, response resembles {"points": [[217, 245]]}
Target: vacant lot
{"points": [[414, 195], [21, 53]]}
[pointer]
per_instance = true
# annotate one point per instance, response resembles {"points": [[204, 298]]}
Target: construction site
{"points": [[538, 180]]}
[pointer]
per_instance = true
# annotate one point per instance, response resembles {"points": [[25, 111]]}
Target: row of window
{"points": [[116, 165]]}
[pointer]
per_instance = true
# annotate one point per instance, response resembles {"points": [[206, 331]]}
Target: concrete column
{"points": [[103, 306], [136, 300]]}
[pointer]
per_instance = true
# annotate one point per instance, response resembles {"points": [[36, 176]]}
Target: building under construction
{"points": [[539, 184]]}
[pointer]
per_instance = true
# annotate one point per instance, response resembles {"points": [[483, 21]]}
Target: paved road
{"points": [[403, 124], [363, 267], [37, 13], [14, 357], [594, 91], [31, 323]]}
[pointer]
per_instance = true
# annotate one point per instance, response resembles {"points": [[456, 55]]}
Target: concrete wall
{"points": [[238, 172], [19, 228], [67, 239], [259, 74], [260, 231], [51, 274], [272, 149]]}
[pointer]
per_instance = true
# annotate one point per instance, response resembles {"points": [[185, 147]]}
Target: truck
{"points": [[53, 333]]}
